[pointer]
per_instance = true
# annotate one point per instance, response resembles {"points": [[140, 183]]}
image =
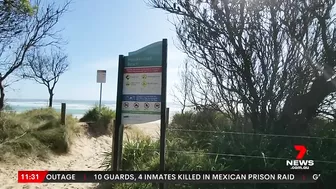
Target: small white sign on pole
{"points": [[101, 76]]}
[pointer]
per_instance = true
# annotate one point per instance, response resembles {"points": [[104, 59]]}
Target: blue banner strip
{"points": [[142, 98]]}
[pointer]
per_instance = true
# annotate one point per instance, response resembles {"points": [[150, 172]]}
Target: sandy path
{"points": [[85, 154], [151, 129]]}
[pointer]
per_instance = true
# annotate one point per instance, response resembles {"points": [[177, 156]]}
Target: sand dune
{"points": [[85, 154], [149, 129]]}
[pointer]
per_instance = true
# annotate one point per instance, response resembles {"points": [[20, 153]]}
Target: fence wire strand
{"points": [[230, 155], [241, 155], [253, 134]]}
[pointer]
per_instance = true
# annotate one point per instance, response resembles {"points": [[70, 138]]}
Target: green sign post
{"points": [[142, 85], [141, 94]]}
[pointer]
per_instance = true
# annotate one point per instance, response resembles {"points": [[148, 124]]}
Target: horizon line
{"points": [[46, 99]]}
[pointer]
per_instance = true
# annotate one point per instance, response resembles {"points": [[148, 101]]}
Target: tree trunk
{"points": [[2, 95], [51, 95], [308, 105]]}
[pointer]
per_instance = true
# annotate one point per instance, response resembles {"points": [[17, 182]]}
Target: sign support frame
{"points": [[163, 109], [100, 95], [118, 132], [118, 128]]}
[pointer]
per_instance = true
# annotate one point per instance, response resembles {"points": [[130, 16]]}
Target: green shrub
{"points": [[135, 152], [8, 108], [93, 115], [142, 154], [35, 132], [225, 149], [198, 121], [100, 123], [227, 143]]}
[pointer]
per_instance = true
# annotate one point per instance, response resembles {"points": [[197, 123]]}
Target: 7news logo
{"points": [[299, 162]]}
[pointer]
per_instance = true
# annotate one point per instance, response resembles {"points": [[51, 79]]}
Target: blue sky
{"points": [[97, 32]]}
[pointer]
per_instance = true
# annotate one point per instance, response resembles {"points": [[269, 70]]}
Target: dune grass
{"points": [[94, 115], [141, 153], [99, 122], [35, 133]]}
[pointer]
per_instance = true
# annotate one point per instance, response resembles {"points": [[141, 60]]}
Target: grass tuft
{"points": [[35, 133], [99, 122], [93, 115]]}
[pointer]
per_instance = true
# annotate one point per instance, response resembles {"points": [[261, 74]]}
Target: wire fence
{"points": [[229, 155], [252, 134], [262, 156]]}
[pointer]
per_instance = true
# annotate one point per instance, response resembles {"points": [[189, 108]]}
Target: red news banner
{"points": [[167, 177]]}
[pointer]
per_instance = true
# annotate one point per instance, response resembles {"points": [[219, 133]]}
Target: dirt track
{"points": [[85, 154]]}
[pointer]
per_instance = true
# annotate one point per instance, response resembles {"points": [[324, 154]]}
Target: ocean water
{"points": [[77, 108]]}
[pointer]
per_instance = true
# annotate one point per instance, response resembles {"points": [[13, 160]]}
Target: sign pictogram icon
{"points": [[144, 76], [157, 105], [146, 105], [136, 105], [127, 77], [126, 105], [144, 83]]}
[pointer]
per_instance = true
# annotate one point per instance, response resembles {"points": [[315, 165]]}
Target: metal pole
{"points": [[167, 117], [117, 145], [120, 147], [100, 96], [163, 110]]}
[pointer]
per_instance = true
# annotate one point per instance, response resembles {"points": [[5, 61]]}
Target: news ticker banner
{"points": [[167, 177]]}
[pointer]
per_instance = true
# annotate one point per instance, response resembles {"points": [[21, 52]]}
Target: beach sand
{"points": [[149, 129], [85, 154]]}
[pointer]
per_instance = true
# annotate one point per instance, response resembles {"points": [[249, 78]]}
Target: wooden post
{"points": [[63, 113]]}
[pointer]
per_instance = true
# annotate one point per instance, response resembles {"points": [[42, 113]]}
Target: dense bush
{"points": [[199, 121], [7, 107], [35, 132], [230, 145], [142, 154], [99, 122], [94, 115], [216, 146]]}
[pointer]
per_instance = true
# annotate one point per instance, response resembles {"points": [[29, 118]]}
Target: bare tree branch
{"points": [[271, 61], [183, 87], [37, 32], [46, 69]]}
